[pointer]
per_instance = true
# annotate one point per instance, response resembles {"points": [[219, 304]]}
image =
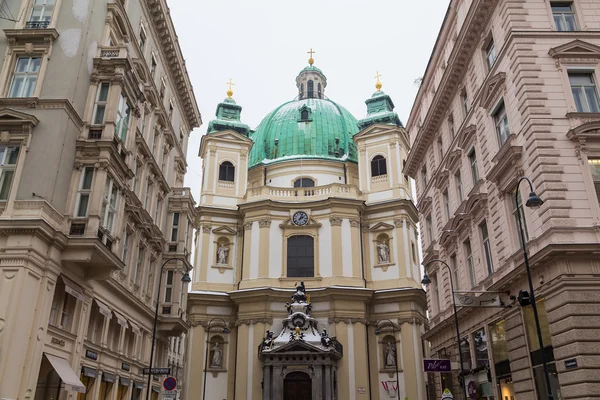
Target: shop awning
{"points": [[124, 381], [108, 377], [66, 373], [103, 308], [138, 384], [134, 327], [72, 288], [89, 372]]}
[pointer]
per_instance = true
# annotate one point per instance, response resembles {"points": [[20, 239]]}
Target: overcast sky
{"points": [[263, 44]]}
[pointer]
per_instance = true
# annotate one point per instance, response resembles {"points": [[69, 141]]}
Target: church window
{"points": [[310, 89], [301, 91], [304, 115], [304, 182], [319, 91], [378, 166], [300, 256], [226, 171]]}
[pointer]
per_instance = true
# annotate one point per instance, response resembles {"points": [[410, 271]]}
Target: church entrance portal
{"points": [[297, 386]]}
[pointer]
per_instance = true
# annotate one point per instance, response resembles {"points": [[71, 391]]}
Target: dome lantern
{"points": [[311, 81]]}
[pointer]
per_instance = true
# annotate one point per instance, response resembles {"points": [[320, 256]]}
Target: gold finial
{"points": [[378, 84], [229, 91], [310, 60]]}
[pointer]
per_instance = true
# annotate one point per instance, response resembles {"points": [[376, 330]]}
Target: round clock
{"points": [[300, 218]]}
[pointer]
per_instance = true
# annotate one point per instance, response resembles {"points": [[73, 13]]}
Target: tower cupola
{"points": [[310, 81]]}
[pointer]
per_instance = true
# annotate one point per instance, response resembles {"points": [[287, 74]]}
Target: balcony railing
{"points": [[37, 24], [311, 193]]}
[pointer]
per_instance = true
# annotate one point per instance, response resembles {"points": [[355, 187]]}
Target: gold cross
{"points": [[230, 91], [378, 84], [311, 52], [378, 76]]}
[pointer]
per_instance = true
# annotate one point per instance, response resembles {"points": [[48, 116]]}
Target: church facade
{"points": [[306, 271]]}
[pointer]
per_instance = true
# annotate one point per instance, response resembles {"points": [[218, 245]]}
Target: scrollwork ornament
{"points": [[264, 223], [206, 228], [335, 220], [355, 222]]}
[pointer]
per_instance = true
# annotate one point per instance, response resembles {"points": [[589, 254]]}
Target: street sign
{"points": [[435, 365], [485, 299], [447, 395], [156, 371], [170, 383]]}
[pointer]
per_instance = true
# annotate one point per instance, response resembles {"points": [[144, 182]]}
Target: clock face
{"points": [[300, 218]]}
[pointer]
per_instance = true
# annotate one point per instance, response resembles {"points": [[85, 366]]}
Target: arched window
{"points": [[310, 90], [301, 91], [304, 115], [300, 256], [319, 91], [226, 171], [304, 182], [378, 166]]}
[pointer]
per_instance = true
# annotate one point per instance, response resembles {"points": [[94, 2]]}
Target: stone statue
{"points": [[217, 357], [300, 295], [222, 253], [390, 355], [268, 340], [383, 251], [325, 339]]}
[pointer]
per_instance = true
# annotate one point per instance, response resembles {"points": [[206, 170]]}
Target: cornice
{"points": [[35, 102]]}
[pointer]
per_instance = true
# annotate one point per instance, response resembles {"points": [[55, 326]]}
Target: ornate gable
{"points": [[491, 89], [381, 227], [224, 230], [576, 50], [467, 136]]}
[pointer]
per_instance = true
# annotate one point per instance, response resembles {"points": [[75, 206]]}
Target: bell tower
{"points": [[311, 81]]}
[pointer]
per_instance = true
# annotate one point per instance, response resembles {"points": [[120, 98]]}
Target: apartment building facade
{"points": [[511, 91], [96, 109]]}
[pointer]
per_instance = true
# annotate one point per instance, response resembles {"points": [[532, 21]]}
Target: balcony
{"points": [[171, 322], [303, 194], [112, 52]]}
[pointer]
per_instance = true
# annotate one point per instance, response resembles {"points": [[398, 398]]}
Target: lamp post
{"points": [[185, 279], [377, 332], [426, 281], [534, 201], [225, 330]]}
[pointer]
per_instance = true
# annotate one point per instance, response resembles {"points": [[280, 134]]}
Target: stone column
{"points": [[267, 382], [277, 383], [317, 382]]}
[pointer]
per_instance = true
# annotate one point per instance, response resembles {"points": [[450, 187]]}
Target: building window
{"points": [[169, 287], [175, 227], [319, 95], [428, 226], [518, 210], [378, 166], [301, 91], [413, 251], [41, 13], [304, 115], [473, 161], [226, 171], [435, 293], [109, 204], [100, 103], [465, 349], [150, 281], [501, 121], [310, 90], [440, 145], [490, 54], [424, 176], [8, 163], [148, 194], [446, 200], [454, 266], [300, 256], [564, 16], [594, 164], [171, 109], [584, 91], [163, 89], [122, 121], [469, 259], [158, 212], [137, 277], [464, 99], [487, 248], [126, 248], [459, 187], [84, 192], [153, 64], [142, 39], [451, 126], [304, 182], [25, 77]]}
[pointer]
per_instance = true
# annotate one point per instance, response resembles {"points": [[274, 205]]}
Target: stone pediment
{"points": [[228, 135], [381, 227], [224, 230], [289, 224], [375, 130], [576, 49], [13, 117], [467, 136], [452, 161], [297, 347], [491, 89]]}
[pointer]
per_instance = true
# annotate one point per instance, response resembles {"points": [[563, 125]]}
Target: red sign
{"points": [[170, 383]]}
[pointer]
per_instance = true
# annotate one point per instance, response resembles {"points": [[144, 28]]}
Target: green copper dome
{"points": [[310, 129]]}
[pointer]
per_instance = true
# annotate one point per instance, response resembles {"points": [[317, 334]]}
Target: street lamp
{"points": [[426, 281], [185, 279], [225, 330], [534, 201], [377, 332]]}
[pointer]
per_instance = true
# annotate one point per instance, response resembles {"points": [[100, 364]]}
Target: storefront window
{"points": [[465, 349], [501, 362], [481, 348]]}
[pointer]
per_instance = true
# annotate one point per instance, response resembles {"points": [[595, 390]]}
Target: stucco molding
{"points": [[252, 321], [347, 321]]}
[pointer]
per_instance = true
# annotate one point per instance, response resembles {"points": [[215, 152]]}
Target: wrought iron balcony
{"points": [[37, 24]]}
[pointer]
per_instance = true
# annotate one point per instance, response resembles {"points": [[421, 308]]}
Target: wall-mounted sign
{"points": [[125, 367], [435, 365], [362, 390], [571, 363], [92, 355], [57, 341], [472, 390]]}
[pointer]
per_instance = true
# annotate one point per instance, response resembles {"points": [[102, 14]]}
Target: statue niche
{"points": [[222, 254], [383, 251]]}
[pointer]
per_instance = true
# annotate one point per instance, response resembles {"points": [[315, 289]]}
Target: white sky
{"points": [[262, 46]]}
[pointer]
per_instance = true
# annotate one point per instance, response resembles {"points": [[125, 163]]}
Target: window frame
{"points": [[169, 287], [108, 207], [490, 53], [175, 226], [310, 89], [123, 113], [26, 75], [562, 14], [226, 168], [516, 207], [472, 155], [592, 75], [459, 187], [464, 101], [312, 269], [468, 248], [32, 6], [446, 202], [376, 162], [81, 191], [501, 123], [139, 265], [150, 280], [454, 266], [487, 247], [98, 103], [302, 181], [143, 37], [4, 167]]}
